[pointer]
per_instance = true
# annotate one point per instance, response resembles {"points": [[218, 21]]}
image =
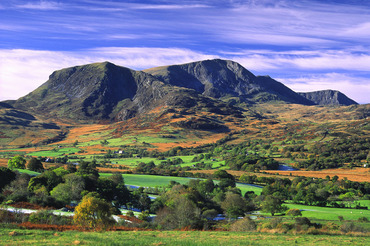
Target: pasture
{"points": [[14, 236]]}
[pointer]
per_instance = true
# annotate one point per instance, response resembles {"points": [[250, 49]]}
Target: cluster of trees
{"points": [[320, 192], [57, 187], [251, 163], [336, 153]]}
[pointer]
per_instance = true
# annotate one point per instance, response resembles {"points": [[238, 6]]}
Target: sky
{"points": [[308, 45]]}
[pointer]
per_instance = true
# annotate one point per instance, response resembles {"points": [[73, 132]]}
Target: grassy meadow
{"points": [[36, 237]]}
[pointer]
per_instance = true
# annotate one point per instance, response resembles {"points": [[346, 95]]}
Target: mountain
{"points": [[223, 78], [104, 91], [96, 91], [328, 97]]}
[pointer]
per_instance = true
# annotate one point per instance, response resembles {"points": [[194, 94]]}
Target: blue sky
{"points": [[308, 45]]}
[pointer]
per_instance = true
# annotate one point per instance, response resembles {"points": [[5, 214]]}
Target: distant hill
{"points": [[328, 97], [223, 78]]}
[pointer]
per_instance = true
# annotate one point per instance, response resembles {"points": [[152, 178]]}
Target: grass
{"points": [[37, 237], [149, 180], [159, 181], [327, 213], [32, 173], [54, 153]]}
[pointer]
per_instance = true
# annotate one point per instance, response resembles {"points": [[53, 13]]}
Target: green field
{"points": [[37, 237], [55, 152], [326, 213], [154, 180]]}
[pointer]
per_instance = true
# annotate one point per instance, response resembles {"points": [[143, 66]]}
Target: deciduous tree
{"points": [[17, 162]]}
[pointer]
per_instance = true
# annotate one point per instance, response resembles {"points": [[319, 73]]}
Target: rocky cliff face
{"points": [[328, 97], [219, 78]]}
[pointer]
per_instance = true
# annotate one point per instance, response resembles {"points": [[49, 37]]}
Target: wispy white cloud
{"points": [[303, 60], [356, 88], [40, 5]]}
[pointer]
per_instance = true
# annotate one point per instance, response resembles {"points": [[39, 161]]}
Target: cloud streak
{"points": [[41, 5]]}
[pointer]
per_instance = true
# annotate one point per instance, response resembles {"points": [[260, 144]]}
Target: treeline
{"points": [[320, 192], [337, 152]]}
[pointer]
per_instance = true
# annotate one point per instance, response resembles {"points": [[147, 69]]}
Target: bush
{"points": [[351, 227], [363, 219], [275, 222], [284, 227], [47, 217], [41, 217], [245, 224], [302, 221], [294, 212]]}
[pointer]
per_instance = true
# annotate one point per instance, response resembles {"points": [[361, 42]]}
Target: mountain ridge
{"points": [[105, 91], [328, 97]]}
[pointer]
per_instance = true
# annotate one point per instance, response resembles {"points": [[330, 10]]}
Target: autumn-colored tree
{"points": [[93, 212]]}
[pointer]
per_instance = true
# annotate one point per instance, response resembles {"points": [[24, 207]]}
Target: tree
{"points": [[6, 176], [273, 205], [35, 165], [70, 190], [234, 205], [93, 212], [17, 162], [294, 212]]}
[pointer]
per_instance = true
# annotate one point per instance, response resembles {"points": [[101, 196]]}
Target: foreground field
{"points": [[36, 237]]}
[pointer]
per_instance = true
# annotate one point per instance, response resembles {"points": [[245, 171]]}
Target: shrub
{"points": [[41, 217], [363, 219], [294, 212], [302, 221], [351, 227], [284, 227], [275, 222], [245, 224]]}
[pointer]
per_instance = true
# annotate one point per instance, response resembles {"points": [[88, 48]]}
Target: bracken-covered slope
{"points": [[328, 97], [223, 78]]}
